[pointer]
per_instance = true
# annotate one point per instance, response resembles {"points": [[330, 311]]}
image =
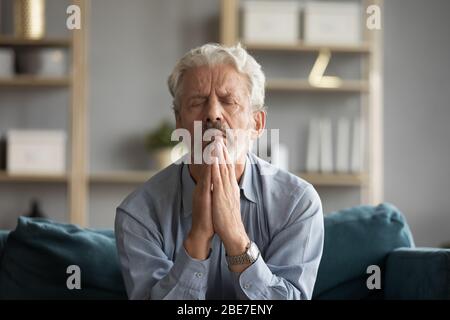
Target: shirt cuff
{"points": [[190, 273], [255, 280]]}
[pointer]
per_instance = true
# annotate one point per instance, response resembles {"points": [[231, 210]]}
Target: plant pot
{"points": [[162, 158]]}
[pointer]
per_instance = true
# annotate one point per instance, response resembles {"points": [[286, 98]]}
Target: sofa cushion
{"points": [[356, 238], [38, 253]]}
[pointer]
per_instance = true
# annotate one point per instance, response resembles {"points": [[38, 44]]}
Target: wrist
{"points": [[197, 245], [237, 245]]}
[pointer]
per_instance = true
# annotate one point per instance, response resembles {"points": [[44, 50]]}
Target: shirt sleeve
{"points": [[289, 267], [148, 273]]}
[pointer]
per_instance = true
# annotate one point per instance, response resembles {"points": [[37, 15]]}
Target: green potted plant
{"points": [[159, 145]]}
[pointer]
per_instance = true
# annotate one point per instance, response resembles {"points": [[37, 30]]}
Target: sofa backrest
{"points": [[355, 239], [38, 252]]}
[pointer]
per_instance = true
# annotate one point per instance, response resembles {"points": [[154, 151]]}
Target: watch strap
{"points": [[249, 256]]}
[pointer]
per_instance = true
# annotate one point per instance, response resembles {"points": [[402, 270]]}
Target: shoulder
{"points": [[287, 196], [286, 183], [150, 197]]}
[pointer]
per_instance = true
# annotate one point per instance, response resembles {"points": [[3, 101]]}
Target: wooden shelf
{"points": [[334, 179], [303, 85], [34, 81], [301, 47], [318, 179], [124, 177], [32, 177], [50, 42]]}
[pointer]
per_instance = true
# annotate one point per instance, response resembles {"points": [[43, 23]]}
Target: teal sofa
{"points": [[34, 260]]}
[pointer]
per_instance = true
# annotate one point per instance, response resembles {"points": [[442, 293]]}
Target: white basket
{"points": [[36, 151], [332, 23], [271, 22]]}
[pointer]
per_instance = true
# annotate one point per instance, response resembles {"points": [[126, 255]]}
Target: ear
{"points": [[259, 118], [177, 120]]}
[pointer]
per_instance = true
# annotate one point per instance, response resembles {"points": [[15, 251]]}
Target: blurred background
{"points": [[358, 89]]}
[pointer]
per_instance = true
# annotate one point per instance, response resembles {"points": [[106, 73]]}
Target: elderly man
{"points": [[220, 229]]}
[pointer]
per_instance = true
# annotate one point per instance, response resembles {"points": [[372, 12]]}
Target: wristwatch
{"points": [[250, 255]]}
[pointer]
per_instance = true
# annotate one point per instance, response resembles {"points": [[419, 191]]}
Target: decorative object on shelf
{"points": [[326, 146], [343, 146], [316, 77], [161, 147], [36, 152], [332, 23], [50, 62], [6, 62], [29, 18], [319, 157], [35, 210], [357, 156], [280, 157], [6, 17], [313, 151], [276, 154], [271, 22]]}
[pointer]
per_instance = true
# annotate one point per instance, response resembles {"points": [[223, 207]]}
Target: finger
{"points": [[225, 168], [230, 164], [219, 150], [215, 174], [223, 165], [207, 179]]}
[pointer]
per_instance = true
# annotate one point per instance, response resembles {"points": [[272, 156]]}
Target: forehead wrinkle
{"points": [[223, 80], [196, 81], [231, 84]]}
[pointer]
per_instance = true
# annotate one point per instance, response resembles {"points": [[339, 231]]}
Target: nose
{"points": [[213, 111]]}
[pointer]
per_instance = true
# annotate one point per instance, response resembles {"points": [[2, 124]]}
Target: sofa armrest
{"points": [[3, 237], [418, 273]]}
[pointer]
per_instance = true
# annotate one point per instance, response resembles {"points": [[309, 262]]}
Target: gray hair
{"points": [[213, 54]]}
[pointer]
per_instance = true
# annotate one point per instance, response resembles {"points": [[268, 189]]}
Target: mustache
{"points": [[218, 125]]}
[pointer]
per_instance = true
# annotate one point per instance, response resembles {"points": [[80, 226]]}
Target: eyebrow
{"points": [[227, 94], [198, 96]]}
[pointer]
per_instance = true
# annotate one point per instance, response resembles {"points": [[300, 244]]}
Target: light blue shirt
{"points": [[281, 213]]}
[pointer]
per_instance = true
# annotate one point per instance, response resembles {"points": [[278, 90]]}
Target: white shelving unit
{"points": [[368, 88]]}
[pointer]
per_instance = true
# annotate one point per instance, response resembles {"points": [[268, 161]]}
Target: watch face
{"points": [[253, 251]]}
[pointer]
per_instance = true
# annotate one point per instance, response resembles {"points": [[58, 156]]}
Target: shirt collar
{"points": [[188, 185], [187, 188], [246, 184]]}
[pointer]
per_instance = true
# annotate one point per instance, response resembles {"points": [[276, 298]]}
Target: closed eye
{"points": [[198, 102], [228, 100]]}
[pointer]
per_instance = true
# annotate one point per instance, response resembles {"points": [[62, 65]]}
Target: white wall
{"points": [[417, 115]]}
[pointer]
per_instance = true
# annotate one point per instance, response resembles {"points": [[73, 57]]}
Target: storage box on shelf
{"points": [[271, 22], [41, 152], [332, 23]]}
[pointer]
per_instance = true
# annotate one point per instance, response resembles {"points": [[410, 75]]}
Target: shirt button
{"points": [[247, 286], [199, 274]]}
